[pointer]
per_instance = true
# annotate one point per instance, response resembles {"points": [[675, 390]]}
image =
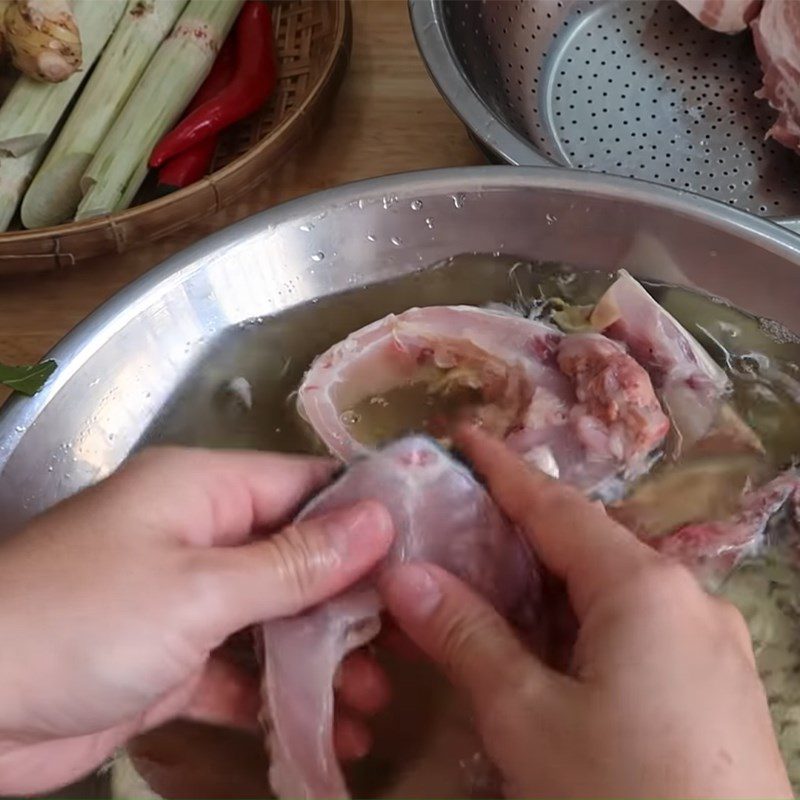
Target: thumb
{"points": [[300, 566], [462, 633]]}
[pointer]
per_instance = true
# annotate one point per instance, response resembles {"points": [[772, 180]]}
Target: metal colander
{"points": [[631, 88]]}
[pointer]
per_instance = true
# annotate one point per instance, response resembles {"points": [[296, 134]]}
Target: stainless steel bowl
{"points": [[120, 368], [629, 88]]}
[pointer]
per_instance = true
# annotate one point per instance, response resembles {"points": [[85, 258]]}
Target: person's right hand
{"points": [[663, 698]]}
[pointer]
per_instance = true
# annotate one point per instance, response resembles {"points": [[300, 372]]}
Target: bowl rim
{"points": [[492, 132], [74, 349]]}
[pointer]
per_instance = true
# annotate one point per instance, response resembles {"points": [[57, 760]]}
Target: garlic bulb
{"points": [[43, 39]]}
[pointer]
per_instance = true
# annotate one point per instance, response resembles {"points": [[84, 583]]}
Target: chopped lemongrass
{"points": [[170, 81], [139, 174], [137, 179], [55, 192], [32, 110], [15, 175]]}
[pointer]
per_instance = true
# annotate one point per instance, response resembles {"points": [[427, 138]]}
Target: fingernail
{"points": [[364, 525], [412, 591]]}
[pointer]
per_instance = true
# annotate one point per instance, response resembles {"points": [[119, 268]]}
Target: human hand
{"points": [[112, 602], [662, 699]]}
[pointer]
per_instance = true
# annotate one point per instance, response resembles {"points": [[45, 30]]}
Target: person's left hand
{"points": [[112, 602]]}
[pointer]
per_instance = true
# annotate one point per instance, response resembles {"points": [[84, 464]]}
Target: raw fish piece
{"points": [[725, 16], [617, 415], [691, 385], [776, 33], [713, 549], [614, 420], [441, 515], [577, 407], [501, 354]]}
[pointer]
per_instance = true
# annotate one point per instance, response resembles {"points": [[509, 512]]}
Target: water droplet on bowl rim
{"points": [[416, 205], [371, 237], [317, 256], [396, 241]]}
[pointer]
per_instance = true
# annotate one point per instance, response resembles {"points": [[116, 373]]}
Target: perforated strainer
{"points": [[631, 88]]}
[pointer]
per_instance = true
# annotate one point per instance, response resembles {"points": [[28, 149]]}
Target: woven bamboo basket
{"points": [[313, 41]]}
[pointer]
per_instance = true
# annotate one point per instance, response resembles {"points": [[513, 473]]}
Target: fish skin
{"points": [[442, 515]]}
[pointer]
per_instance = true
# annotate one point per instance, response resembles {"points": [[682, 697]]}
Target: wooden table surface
{"points": [[388, 118]]}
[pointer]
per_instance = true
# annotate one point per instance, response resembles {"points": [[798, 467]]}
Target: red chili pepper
{"points": [[192, 164], [187, 167], [252, 83]]}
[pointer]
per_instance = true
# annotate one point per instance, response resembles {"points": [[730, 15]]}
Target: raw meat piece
{"points": [[776, 32], [614, 420], [617, 414], [441, 515], [712, 549], [725, 16], [578, 407], [688, 381]]}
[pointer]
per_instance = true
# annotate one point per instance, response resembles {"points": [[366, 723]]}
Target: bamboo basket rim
{"points": [[98, 224]]}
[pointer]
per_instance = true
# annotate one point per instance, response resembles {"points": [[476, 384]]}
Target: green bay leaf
{"points": [[26, 379]]}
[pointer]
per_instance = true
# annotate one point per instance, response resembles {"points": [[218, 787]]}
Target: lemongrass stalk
{"points": [[139, 174], [55, 192], [15, 175], [32, 109], [170, 81]]}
